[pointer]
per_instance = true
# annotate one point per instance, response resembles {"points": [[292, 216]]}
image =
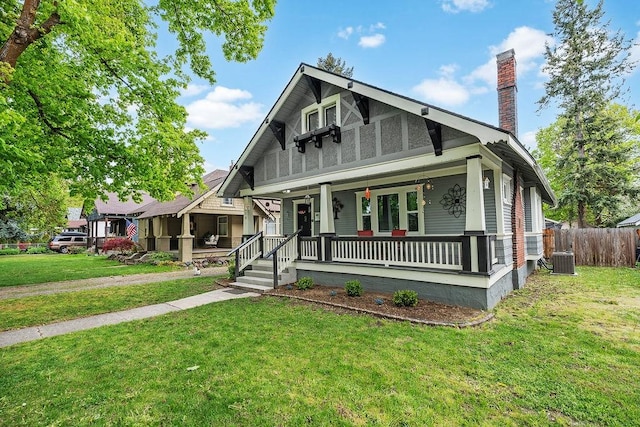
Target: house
{"points": [[109, 217], [394, 192], [633, 221], [199, 226]]}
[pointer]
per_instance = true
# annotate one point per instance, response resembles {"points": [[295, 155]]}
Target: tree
{"points": [[586, 73], [85, 96], [335, 65], [607, 181]]}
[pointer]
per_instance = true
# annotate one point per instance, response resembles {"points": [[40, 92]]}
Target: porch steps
{"points": [[259, 277]]}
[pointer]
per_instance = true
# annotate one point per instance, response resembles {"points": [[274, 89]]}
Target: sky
{"points": [[441, 52]]}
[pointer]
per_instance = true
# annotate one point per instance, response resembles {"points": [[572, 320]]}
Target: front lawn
{"points": [[562, 351], [39, 310], [42, 268]]}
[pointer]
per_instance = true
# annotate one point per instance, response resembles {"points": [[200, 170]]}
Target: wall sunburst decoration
{"points": [[455, 200]]}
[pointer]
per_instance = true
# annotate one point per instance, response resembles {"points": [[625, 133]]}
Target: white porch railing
{"points": [[269, 243], [308, 249], [248, 252], [399, 252]]}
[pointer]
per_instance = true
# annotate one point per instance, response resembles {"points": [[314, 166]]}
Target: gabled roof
{"points": [[633, 221], [504, 143], [114, 206], [182, 204]]}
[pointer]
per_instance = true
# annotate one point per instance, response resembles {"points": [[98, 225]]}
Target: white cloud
{"points": [[371, 41], [444, 90], [193, 90], [223, 108], [528, 44], [528, 139], [455, 6], [377, 26], [345, 33]]}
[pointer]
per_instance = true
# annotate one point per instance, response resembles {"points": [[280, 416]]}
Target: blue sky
{"points": [[437, 51]]}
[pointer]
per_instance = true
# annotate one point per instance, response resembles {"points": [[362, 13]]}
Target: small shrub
{"points": [[76, 249], [379, 301], [405, 298], [120, 244], [353, 288], [231, 269], [304, 283], [161, 256], [288, 287], [9, 251], [37, 250], [333, 293]]}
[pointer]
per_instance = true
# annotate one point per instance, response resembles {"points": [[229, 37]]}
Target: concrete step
{"points": [[260, 281], [264, 274], [239, 284]]}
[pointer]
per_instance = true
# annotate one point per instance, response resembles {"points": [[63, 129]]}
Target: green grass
{"points": [[562, 351], [39, 310], [34, 269]]}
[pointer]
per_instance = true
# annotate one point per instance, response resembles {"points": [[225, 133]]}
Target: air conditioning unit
{"points": [[563, 263]]}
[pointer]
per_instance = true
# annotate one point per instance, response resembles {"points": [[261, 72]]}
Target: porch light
{"points": [[428, 185], [367, 194], [486, 182], [307, 199]]}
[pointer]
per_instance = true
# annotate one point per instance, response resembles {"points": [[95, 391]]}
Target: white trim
{"points": [[506, 189], [402, 203], [218, 225], [326, 103]]}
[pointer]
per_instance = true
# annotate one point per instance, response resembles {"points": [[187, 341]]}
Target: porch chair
{"points": [[212, 241]]}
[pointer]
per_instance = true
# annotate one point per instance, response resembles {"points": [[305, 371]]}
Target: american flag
{"points": [[132, 230]]}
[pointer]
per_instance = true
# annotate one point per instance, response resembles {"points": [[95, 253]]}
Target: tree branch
{"points": [[43, 116]]}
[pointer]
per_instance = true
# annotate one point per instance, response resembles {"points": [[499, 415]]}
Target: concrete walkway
{"points": [[16, 336]]}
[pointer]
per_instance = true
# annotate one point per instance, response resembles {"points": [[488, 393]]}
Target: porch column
{"points": [[162, 239], [327, 224], [186, 240], [248, 229], [143, 232], [475, 197]]}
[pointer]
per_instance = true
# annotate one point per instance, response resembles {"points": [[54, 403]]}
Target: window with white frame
{"points": [[227, 201], [389, 209], [223, 226], [325, 113], [506, 189]]}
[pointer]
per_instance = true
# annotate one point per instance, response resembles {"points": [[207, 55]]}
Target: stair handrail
{"points": [[247, 244], [287, 261]]}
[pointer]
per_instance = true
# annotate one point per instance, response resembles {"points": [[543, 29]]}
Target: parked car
{"points": [[63, 241]]}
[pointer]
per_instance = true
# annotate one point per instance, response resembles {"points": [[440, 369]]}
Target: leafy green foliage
{"points": [[161, 256], [586, 68], [9, 251], [120, 244], [304, 283], [405, 298], [335, 65], [353, 288], [84, 96], [231, 269], [37, 250], [76, 250]]}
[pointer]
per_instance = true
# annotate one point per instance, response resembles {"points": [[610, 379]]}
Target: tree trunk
{"points": [[24, 34]]}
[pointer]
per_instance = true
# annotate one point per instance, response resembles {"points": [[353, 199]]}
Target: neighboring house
{"points": [[75, 221], [450, 207], [633, 221], [109, 217], [185, 224]]}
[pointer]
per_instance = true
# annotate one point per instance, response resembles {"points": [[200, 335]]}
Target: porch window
{"points": [[412, 211], [227, 201], [388, 212], [223, 226], [366, 213], [389, 209], [506, 189]]}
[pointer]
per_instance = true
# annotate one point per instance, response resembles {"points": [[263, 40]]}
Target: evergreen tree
{"points": [[335, 65], [586, 73]]}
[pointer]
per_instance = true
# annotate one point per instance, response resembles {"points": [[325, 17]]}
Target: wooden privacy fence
{"points": [[603, 247]]}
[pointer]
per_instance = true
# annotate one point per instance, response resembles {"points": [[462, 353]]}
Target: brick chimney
{"points": [[507, 90]]}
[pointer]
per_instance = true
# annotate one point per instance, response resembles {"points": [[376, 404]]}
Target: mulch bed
{"points": [[426, 312]]}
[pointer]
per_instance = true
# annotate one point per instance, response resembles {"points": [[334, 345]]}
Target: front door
{"points": [[304, 219]]}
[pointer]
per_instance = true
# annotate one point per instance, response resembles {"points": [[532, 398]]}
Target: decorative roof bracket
{"points": [[435, 133], [314, 85], [277, 127], [247, 174], [362, 102]]}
